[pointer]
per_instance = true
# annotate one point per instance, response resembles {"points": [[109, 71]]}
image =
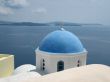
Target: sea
{"points": [[22, 41]]}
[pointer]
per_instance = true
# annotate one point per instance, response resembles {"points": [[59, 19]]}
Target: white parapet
{"points": [[24, 68], [6, 65], [88, 73]]}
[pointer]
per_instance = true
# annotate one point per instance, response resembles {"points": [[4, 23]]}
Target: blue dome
{"points": [[61, 42]]}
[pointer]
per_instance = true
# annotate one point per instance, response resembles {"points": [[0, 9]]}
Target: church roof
{"points": [[61, 41]]}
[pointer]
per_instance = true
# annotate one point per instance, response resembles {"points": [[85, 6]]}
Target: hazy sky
{"points": [[78, 11]]}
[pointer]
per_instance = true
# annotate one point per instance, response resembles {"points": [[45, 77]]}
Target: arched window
{"points": [[43, 64], [43, 60], [78, 63], [60, 66], [43, 68]]}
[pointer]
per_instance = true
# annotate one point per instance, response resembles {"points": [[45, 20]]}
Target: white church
{"points": [[58, 51], [60, 57]]}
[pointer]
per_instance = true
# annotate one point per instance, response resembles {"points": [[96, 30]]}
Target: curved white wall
{"points": [[51, 60]]}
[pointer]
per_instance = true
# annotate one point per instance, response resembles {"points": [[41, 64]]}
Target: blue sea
{"points": [[22, 41]]}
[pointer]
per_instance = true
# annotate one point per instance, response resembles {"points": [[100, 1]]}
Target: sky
{"points": [[77, 11]]}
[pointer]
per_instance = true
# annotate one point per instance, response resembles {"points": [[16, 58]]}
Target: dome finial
{"points": [[61, 27]]}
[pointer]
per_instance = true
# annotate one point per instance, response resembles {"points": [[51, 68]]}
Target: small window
{"points": [[43, 64], [43, 68], [78, 65], [60, 66], [78, 61], [43, 60]]}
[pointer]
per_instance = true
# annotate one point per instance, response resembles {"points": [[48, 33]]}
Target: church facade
{"points": [[60, 50]]}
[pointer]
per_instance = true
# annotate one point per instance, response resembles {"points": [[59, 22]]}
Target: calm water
{"points": [[23, 40]]}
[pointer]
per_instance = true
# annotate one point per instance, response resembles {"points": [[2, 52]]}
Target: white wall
{"points": [[51, 60]]}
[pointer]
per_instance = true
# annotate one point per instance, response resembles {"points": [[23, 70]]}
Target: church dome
{"points": [[61, 41]]}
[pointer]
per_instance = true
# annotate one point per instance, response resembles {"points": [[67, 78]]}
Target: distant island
{"points": [[43, 24]]}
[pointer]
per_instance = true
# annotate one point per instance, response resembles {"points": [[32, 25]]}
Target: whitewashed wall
{"points": [[51, 60]]}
